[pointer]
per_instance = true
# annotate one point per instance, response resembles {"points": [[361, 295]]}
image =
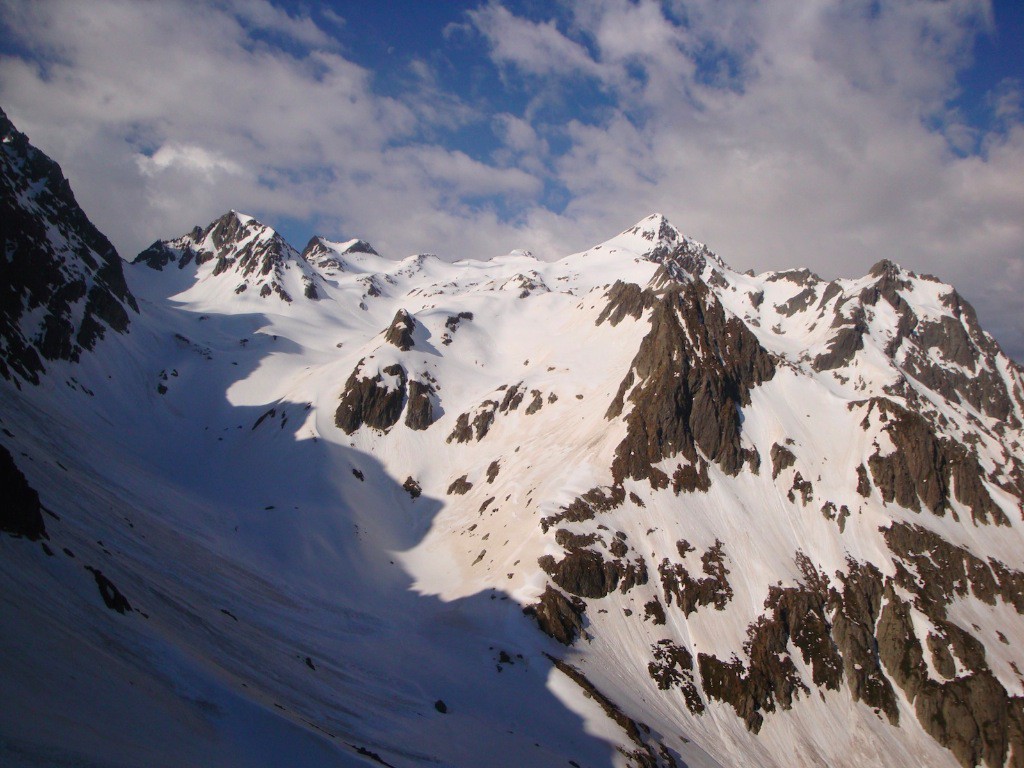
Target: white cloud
{"points": [[535, 48], [187, 158], [261, 15]]}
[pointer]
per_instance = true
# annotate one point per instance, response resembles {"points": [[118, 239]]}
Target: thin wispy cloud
{"points": [[829, 134]]}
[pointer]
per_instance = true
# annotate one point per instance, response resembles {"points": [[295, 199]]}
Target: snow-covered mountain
{"points": [[61, 279], [630, 507]]}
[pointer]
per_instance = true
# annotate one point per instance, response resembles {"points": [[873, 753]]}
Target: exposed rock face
{"points": [[412, 487], [62, 286], [322, 255], [972, 715], [526, 284], [782, 457], [20, 512], [829, 510], [863, 633], [863, 484], [931, 346], [799, 303], [452, 324], [672, 667], [846, 343], [242, 249], [587, 506], [770, 679], [399, 333], [691, 478], [625, 300], [160, 254], [474, 425], [683, 260], [536, 403], [585, 573], [558, 616], [372, 400], [513, 398], [801, 488], [950, 355], [928, 468], [460, 486], [945, 571], [690, 593], [420, 412], [856, 611], [111, 595], [687, 383]]}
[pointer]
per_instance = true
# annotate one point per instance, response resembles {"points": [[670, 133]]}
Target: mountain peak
{"points": [[239, 246], [64, 287], [658, 230]]}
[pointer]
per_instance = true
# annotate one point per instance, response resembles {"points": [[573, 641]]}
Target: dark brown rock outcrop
{"points": [[945, 571], [558, 616], [692, 374], [112, 597], [691, 478], [412, 487], [20, 511], [782, 458], [399, 333], [585, 573], [927, 467], [972, 715], [690, 593], [460, 486], [419, 413], [671, 666], [587, 506], [371, 401], [847, 342], [474, 425], [625, 300], [513, 398], [855, 614], [770, 680]]}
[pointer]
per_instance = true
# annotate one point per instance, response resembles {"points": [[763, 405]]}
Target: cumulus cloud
{"points": [[160, 132], [822, 134], [535, 48]]}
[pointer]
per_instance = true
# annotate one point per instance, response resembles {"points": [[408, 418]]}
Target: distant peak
{"points": [[359, 246], [242, 217], [885, 268], [657, 229]]}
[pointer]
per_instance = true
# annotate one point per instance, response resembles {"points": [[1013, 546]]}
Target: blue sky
{"points": [[828, 134]]}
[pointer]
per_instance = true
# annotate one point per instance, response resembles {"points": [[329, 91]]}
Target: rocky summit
{"points": [[630, 507]]}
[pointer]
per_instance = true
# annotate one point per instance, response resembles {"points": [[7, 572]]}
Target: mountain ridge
{"points": [[763, 518]]}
